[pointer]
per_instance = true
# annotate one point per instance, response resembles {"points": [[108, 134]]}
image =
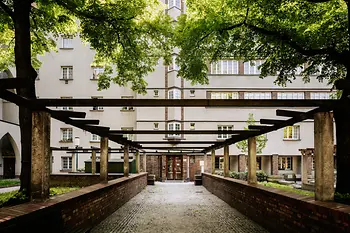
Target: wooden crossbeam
{"points": [[63, 114], [288, 113], [87, 122], [172, 148], [270, 121], [14, 98], [12, 83], [118, 132], [183, 102], [258, 127], [175, 142]]}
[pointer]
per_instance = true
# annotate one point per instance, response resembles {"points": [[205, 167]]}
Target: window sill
{"points": [[132, 110], [100, 110], [67, 48], [287, 139], [65, 141], [94, 79], [66, 170]]}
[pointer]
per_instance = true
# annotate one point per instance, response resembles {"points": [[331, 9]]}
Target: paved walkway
{"points": [[177, 207], [9, 189]]}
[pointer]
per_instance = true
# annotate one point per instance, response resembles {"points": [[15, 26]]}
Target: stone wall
{"points": [[76, 211], [78, 179], [278, 210]]}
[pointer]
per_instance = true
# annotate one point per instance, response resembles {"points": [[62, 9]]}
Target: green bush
{"points": [[234, 175], [261, 176]]}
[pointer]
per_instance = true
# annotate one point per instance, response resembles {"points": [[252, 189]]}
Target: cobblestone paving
{"points": [[177, 207]]}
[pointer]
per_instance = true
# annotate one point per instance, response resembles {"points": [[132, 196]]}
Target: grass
{"points": [[16, 197], [9, 182], [288, 188]]}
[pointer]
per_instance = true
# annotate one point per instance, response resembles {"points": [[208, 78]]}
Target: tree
{"points": [[286, 34], [260, 140], [129, 37]]}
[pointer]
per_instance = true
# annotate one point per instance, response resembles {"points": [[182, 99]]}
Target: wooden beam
{"points": [[13, 98], [175, 142], [60, 114], [270, 121], [86, 122], [259, 127], [120, 132], [12, 83], [172, 148], [182, 102], [288, 113]]}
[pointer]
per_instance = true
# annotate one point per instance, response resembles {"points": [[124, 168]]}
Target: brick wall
{"points": [[280, 211], [76, 211], [153, 165], [78, 179]]}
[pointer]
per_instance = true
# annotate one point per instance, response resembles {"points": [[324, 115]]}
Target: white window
{"points": [[127, 108], [96, 108], [290, 95], [174, 3], [156, 93], [67, 135], [66, 107], [292, 132], [192, 93], [320, 95], [299, 69], [257, 95], [128, 136], [174, 94], [67, 72], [192, 126], [95, 138], [224, 95], [67, 42], [66, 163], [156, 125], [96, 71], [284, 163], [252, 67], [173, 65], [174, 126], [224, 67], [223, 128]]}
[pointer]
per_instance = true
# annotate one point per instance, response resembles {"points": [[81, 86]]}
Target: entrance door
{"points": [[174, 167], [9, 167]]}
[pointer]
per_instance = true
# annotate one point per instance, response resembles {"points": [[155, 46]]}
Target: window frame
{"points": [[69, 73], [67, 45], [250, 69], [96, 70], [62, 136], [223, 136], [128, 136], [287, 95], [173, 66], [326, 94], [174, 3], [285, 163], [291, 130], [224, 95], [69, 163], [175, 127], [257, 95], [174, 92], [219, 67], [98, 139]]}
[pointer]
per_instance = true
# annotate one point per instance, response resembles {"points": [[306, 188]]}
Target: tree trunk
{"points": [[24, 69], [342, 122]]}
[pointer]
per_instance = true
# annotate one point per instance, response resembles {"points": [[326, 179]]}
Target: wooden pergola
{"points": [[321, 113]]}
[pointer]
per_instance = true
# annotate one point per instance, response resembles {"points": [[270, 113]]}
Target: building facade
{"points": [[69, 74]]}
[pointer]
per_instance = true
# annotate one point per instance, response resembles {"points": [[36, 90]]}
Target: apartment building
{"points": [[69, 74]]}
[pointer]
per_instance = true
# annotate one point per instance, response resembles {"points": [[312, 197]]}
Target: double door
{"points": [[174, 167]]}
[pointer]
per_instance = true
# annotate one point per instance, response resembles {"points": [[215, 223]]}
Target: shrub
{"points": [[234, 175], [261, 176]]}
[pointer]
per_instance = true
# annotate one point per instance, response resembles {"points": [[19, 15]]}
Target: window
{"points": [[320, 95], [66, 107], [290, 95], [219, 163], [284, 163], [156, 93], [127, 108], [174, 3], [67, 42], [192, 126], [128, 136], [156, 125], [67, 135], [95, 138], [224, 67], [224, 95], [66, 163], [174, 94], [257, 95], [173, 65], [292, 132], [96, 71], [97, 108], [192, 93], [224, 127], [67, 72], [252, 67], [174, 126]]}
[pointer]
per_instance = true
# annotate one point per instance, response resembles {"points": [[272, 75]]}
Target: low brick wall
{"points": [[78, 179], [76, 211], [278, 210]]}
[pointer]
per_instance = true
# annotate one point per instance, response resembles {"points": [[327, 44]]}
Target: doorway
{"points": [[8, 156], [174, 167]]}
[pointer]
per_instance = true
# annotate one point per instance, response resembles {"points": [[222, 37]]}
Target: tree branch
{"points": [[7, 10]]}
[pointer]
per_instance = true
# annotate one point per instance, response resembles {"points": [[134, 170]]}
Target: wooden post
{"points": [[126, 160], [41, 156], [74, 162], [93, 162], [226, 161], [252, 160], [213, 162], [104, 160], [144, 162], [137, 157], [205, 162], [324, 163]]}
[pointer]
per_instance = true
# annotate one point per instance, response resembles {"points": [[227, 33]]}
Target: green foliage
{"points": [[288, 188], [129, 36], [261, 140], [12, 198], [261, 175], [61, 190], [342, 198], [284, 33], [9, 182]]}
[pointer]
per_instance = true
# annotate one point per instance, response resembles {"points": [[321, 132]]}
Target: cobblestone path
{"points": [[177, 207]]}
